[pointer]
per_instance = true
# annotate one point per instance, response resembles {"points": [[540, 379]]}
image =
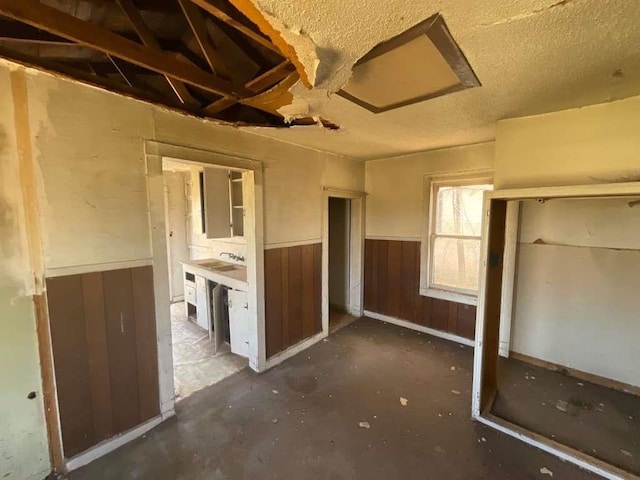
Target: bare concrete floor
{"points": [[195, 364], [338, 320], [596, 420], [301, 420]]}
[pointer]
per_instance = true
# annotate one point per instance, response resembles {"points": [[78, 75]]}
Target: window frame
{"points": [[431, 185]]}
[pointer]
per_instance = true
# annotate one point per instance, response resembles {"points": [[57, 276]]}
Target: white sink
{"points": [[219, 266]]}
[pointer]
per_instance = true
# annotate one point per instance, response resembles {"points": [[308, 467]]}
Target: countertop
{"points": [[235, 278]]}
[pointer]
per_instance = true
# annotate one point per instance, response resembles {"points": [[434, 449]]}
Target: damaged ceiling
{"points": [[199, 56], [531, 58], [269, 63]]}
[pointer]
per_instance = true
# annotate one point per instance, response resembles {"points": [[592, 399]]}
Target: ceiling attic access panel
{"points": [[422, 63]]}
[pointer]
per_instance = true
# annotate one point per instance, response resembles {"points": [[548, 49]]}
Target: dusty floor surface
{"points": [[195, 365], [599, 421], [300, 420], [338, 320]]}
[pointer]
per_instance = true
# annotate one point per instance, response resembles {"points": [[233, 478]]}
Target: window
{"points": [[451, 243]]}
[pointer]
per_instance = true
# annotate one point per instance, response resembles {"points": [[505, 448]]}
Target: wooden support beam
{"points": [[270, 77], [267, 79], [95, 79], [199, 28], [207, 6], [219, 105], [150, 41], [62, 24]]}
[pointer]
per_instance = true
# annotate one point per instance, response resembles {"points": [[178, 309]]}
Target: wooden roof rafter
{"points": [[187, 61]]}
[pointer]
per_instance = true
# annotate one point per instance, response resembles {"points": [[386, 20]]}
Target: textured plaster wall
{"points": [[576, 296], [395, 187], [91, 186], [23, 438], [596, 144]]}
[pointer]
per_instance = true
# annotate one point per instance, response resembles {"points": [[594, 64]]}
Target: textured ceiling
{"points": [[532, 56]]}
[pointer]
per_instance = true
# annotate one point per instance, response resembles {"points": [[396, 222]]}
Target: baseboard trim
{"points": [[111, 444], [420, 328], [579, 374], [563, 452], [278, 358]]}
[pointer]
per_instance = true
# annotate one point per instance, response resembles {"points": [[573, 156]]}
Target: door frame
{"points": [[155, 153], [355, 303], [496, 268]]}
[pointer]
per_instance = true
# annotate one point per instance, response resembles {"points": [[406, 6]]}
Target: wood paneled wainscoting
{"points": [[392, 288], [293, 310], [103, 336]]}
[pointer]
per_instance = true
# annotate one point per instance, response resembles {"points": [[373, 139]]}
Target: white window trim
{"points": [[446, 293]]}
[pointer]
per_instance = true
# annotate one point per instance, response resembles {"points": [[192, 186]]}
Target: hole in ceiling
{"points": [[422, 63]]}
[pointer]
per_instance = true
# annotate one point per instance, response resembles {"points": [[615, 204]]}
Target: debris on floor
{"points": [[546, 471], [455, 392], [403, 401], [364, 425]]}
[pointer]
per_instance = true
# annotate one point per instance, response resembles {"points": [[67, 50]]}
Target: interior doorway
{"points": [[204, 220], [339, 254], [342, 258]]}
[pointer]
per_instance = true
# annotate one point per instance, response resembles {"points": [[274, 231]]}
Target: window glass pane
{"points": [[459, 209], [456, 263]]}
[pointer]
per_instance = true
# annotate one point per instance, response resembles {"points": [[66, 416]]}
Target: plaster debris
{"points": [[453, 369], [626, 453], [546, 471], [403, 401], [364, 425], [562, 405], [455, 392], [275, 392], [274, 420]]}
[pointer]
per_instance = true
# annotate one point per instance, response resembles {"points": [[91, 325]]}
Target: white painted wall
{"points": [[576, 297], [23, 437], [596, 144], [88, 147], [395, 187]]}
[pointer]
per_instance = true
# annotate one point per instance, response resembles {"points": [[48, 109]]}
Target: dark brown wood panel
{"points": [[317, 286], [394, 278], [392, 287], [105, 353], [121, 339], [273, 300], [295, 295], [493, 297], [71, 360], [100, 383], [308, 295], [292, 295], [146, 341]]}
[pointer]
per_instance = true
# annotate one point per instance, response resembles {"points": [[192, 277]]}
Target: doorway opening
{"points": [[342, 258], [339, 253], [206, 257]]}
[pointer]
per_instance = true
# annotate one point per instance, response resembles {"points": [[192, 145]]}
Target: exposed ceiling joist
{"points": [[59, 23], [150, 41], [207, 6], [201, 57], [199, 28]]}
